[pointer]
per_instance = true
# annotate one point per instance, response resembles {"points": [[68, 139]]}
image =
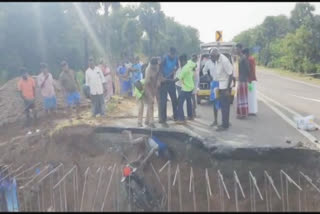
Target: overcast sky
{"points": [[230, 17]]}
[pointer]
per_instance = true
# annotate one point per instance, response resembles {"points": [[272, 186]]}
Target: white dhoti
{"points": [[252, 99]]}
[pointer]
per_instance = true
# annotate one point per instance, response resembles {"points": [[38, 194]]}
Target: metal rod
{"points": [[239, 184], [24, 186], [191, 176], [158, 179], [254, 198], [310, 181], [57, 184], [12, 172], [28, 169], [105, 196], [194, 196], [208, 199], [39, 205], [266, 191], [236, 195], [84, 187], [208, 182], [118, 173], [179, 189], [51, 172], [291, 180], [282, 192], [223, 184], [98, 186], [169, 186], [164, 166], [175, 175], [270, 196], [287, 191], [220, 194], [251, 197], [299, 193], [6, 167], [65, 195], [255, 184], [60, 189], [272, 184]]}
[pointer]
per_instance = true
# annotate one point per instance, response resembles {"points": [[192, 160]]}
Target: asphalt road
{"points": [[292, 97], [299, 96], [280, 99]]}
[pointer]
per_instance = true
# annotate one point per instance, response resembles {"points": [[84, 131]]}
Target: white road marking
{"points": [[290, 79], [305, 98], [310, 137], [296, 114]]}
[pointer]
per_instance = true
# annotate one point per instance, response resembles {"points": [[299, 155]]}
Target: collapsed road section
{"points": [[84, 168]]}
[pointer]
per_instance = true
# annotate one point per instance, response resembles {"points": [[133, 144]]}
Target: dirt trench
{"points": [[103, 154]]}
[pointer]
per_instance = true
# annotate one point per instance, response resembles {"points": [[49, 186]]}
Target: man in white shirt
{"points": [[96, 82], [224, 72]]}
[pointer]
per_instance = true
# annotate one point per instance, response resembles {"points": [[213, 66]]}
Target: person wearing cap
{"points": [[224, 71], [27, 88], [96, 83], [168, 67], [47, 89], [70, 87]]}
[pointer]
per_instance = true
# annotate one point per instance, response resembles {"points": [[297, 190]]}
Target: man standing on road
{"points": [[169, 65], [196, 83], [214, 87], [27, 89], [242, 91], [186, 77], [70, 87], [96, 82], [224, 76], [252, 90], [47, 88], [146, 90]]}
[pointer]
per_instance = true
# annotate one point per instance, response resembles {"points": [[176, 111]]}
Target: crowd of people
{"points": [[96, 83], [179, 78], [173, 75]]}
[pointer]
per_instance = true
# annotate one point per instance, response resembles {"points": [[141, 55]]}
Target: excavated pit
{"points": [[83, 155]]}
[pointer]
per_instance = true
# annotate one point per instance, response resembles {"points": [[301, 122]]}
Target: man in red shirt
{"points": [[252, 92], [27, 87]]}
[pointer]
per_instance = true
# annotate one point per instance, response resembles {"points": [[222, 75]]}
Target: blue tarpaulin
{"points": [[8, 189]]}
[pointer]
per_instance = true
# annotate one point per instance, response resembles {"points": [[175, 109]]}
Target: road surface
{"points": [[279, 100]]}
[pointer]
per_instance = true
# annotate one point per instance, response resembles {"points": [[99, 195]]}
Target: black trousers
{"points": [[225, 106], [165, 89], [184, 95]]}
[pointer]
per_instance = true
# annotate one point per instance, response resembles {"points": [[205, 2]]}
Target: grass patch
{"points": [[293, 75]]}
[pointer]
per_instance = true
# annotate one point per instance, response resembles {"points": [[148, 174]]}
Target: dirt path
{"points": [[115, 108]]}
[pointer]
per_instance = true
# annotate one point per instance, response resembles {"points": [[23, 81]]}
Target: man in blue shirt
{"points": [[169, 65], [136, 71]]}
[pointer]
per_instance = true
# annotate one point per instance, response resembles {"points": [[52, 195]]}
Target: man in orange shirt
{"points": [[26, 87]]}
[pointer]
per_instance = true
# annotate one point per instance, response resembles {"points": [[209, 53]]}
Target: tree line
{"points": [[51, 32], [291, 43]]}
